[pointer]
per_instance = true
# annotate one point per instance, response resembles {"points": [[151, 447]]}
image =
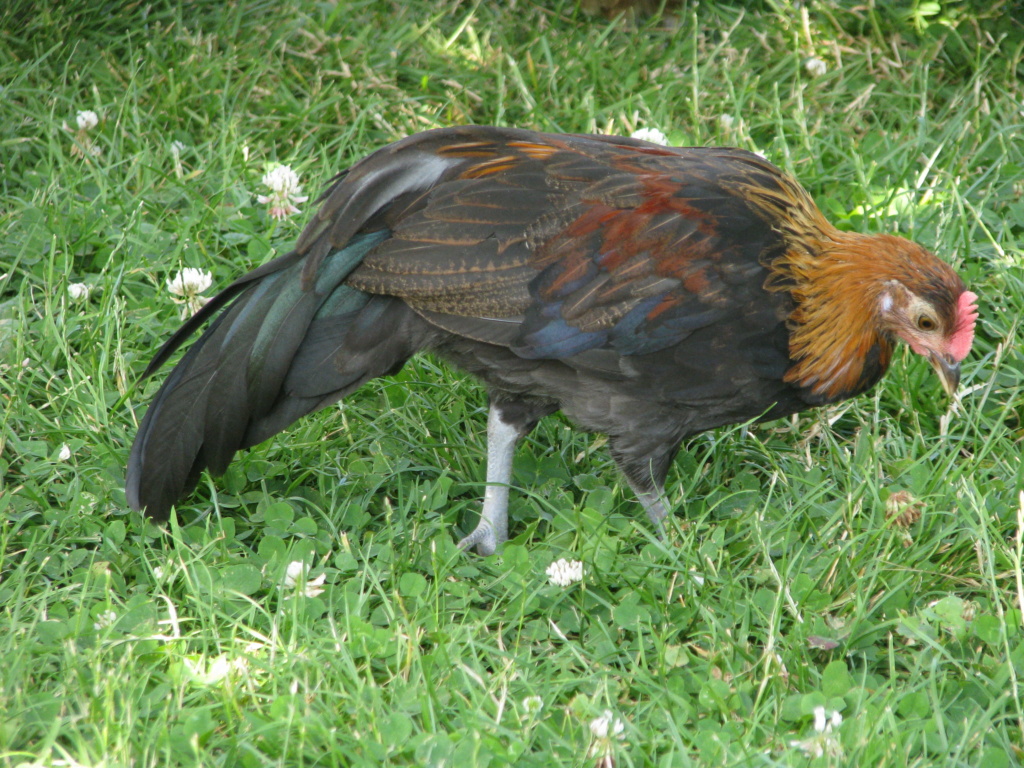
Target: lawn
{"points": [[842, 588]]}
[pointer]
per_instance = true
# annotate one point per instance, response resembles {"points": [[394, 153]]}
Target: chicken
{"points": [[647, 292]]}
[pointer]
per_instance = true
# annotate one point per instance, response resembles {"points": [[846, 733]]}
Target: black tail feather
{"points": [[279, 349]]}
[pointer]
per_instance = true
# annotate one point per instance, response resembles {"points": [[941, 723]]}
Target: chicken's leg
{"points": [[645, 468], [508, 419], [492, 529], [654, 506]]}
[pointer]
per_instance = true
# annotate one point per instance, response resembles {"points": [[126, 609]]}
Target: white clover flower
{"points": [[206, 671], [284, 192], [158, 573], [87, 120], [105, 619], [824, 723], [652, 135], [65, 452], [295, 574], [726, 121], [823, 742], [815, 67], [607, 730], [607, 726], [188, 284], [564, 572], [532, 705], [819, 719], [79, 291], [177, 147]]}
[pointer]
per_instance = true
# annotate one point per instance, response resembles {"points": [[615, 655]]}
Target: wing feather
{"points": [[576, 242]]}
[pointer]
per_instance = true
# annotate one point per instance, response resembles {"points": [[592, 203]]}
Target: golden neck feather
{"points": [[836, 344], [835, 279]]}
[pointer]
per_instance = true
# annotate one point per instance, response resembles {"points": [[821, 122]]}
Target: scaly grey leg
{"points": [[645, 466], [654, 505], [492, 530]]}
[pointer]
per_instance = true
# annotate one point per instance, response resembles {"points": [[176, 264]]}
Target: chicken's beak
{"points": [[948, 370]]}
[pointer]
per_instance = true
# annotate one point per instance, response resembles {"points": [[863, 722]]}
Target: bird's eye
{"points": [[925, 323]]}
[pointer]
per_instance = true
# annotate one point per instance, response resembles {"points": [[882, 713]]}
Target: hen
{"points": [[647, 292]]}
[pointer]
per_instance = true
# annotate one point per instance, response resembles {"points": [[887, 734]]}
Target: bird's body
{"points": [[649, 293]]}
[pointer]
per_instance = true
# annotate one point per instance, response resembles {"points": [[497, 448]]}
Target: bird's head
{"points": [[856, 295], [935, 315]]}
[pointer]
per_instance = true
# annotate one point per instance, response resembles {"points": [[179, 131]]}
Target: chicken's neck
{"points": [[836, 280]]}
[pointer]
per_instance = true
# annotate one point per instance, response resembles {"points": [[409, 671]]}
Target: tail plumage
{"points": [[279, 349]]}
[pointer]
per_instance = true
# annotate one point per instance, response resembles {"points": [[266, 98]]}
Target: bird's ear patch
{"points": [[966, 317]]}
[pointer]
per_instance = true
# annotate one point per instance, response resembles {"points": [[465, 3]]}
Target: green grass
{"points": [[782, 585]]}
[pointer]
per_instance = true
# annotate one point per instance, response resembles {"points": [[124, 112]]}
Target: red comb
{"points": [[963, 334]]}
